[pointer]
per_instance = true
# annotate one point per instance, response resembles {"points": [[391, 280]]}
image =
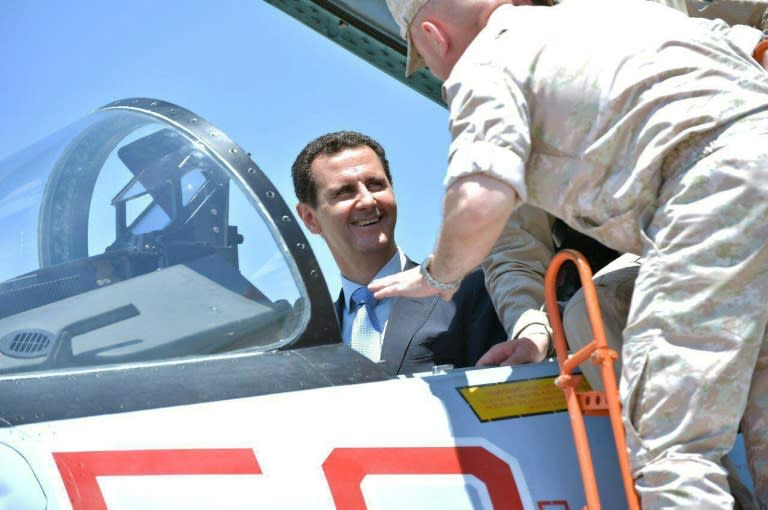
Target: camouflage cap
{"points": [[404, 11]]}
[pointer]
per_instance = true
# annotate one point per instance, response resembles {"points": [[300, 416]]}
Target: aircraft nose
{"points": [[18, 485]]}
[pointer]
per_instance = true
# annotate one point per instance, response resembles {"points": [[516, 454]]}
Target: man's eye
{"points": [[343, 193]]}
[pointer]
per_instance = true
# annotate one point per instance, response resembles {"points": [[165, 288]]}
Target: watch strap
{"points": [[424, 269]]}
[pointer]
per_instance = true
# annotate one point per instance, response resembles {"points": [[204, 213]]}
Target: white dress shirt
{"points": [[382, 310]]}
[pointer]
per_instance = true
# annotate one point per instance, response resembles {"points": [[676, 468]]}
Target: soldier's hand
{"points": [[408, 283], [528, 349]]}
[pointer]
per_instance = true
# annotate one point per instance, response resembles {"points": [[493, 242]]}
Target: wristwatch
{"points": [[424, 269]]}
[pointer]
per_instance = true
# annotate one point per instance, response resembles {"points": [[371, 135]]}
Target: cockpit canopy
{"points": [[135, 235]]}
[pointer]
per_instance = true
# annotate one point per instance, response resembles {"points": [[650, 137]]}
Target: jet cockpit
{"points": [[143, 233]]}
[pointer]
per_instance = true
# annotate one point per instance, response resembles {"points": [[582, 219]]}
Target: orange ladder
{"points": [[599, 403]]}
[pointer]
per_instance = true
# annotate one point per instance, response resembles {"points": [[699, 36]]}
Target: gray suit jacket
{"points": [[424, 332]]}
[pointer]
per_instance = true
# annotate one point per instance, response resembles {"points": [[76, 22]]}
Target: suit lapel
{"points": [[406, 317], [338, 305]]}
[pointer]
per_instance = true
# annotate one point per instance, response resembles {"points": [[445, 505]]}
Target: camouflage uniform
{"points": [[696, 328], [734, 12], [652, 142], [520, 257], [614, 285], [514, 272]]}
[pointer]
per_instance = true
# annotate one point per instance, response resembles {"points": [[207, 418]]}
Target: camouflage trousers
{"points": [[695, 357], [614, 285]]}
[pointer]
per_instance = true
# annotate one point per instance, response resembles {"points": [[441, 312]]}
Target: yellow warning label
{"points": [[519, 398]]}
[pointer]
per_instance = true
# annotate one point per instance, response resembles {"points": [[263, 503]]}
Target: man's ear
{"points": [[436, 37], [307, 215]]}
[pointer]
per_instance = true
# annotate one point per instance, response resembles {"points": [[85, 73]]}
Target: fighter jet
{"points": [[167, 340]]}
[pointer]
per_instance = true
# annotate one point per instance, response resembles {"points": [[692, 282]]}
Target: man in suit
{"points": [[344, 187]]}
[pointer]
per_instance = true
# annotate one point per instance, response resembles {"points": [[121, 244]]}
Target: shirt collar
{"points": [[394, 265]]}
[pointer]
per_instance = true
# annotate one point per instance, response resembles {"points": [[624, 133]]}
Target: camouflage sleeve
{"points": [[764, 23], [748, 18], [733, 12], [514, 271]]}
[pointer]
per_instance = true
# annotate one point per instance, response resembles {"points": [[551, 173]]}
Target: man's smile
{"points": [[367, 221]]}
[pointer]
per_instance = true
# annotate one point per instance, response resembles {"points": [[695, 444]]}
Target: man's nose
{"points": [[364, 196]]}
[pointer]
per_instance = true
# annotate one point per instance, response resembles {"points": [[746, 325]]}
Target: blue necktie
{"points": [[366, 329], [364, 297]]}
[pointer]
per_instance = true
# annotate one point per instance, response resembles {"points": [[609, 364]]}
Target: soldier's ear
{"points": [[307, 215], [435, 36]]}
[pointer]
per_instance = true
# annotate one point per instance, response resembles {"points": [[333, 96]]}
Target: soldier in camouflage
{"points": [[652, 142]]}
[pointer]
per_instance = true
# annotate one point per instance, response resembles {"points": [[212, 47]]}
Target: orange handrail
{"points": [[590, 402]]}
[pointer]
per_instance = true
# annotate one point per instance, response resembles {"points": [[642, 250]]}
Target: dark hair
{"points": [[329, 144]]}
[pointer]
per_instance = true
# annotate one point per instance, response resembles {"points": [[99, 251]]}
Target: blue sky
{"points": [[260, 76]]}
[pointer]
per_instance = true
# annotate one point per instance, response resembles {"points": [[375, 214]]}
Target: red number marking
{"points": [[345, 469], [80, 469]]}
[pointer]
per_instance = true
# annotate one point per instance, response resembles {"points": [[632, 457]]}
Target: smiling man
{"points": [[344, 187]]}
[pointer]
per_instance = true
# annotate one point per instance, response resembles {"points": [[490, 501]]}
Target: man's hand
{"points": [[409, 283], [517, 351]]}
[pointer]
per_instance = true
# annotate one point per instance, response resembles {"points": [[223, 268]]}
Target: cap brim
{"points": [[414, 60]]}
